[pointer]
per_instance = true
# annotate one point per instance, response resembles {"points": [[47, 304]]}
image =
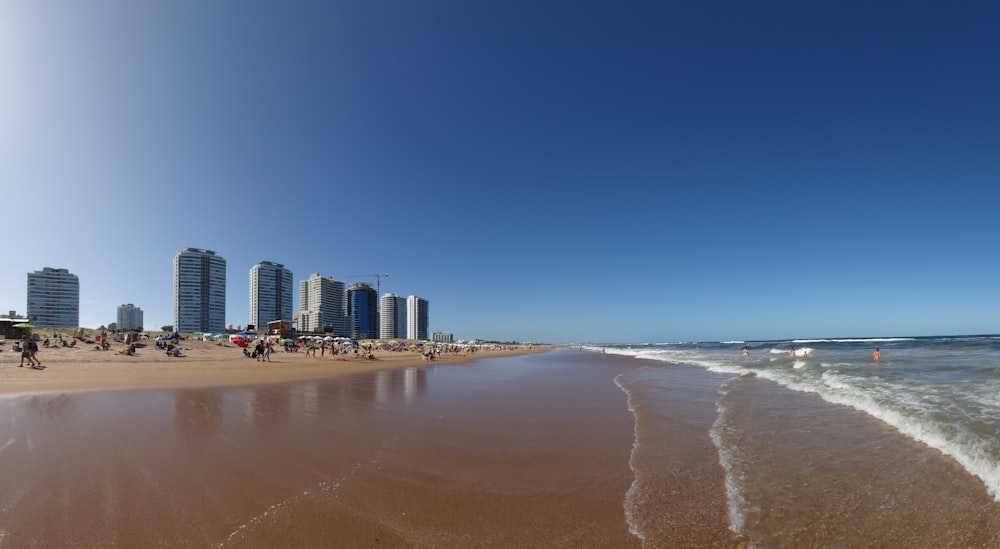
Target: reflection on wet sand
{"points": [[198, 411], [387, 458], [204, 411]]}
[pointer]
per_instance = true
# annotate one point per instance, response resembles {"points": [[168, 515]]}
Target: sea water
{"points": [[942, 392]]}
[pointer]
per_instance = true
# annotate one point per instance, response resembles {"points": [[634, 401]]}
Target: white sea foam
{"points": [[632, 495], [736, 502], [802, 352], [854, 340], [957, 416]]}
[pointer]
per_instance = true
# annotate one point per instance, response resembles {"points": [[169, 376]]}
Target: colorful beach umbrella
{"points": [[24, 325]]}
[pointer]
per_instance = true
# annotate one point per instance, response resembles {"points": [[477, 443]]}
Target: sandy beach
{"points": [[203, 364], [520, 450]]}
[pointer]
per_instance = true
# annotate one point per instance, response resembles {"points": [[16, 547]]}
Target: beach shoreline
{"points": [[526, 451], [204, 364]]}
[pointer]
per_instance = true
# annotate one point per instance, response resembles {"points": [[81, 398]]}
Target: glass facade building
{"points": [[199, 291], [362, 303], [54, 298], [270, 294]]}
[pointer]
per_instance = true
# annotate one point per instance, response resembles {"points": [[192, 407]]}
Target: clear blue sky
{"points": [[550, 171]]}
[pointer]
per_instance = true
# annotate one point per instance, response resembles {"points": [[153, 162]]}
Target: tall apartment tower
{"points": [[54, 298], [323, 306], [129, 317], [270, 294], [416, 317], [362, 307], [392, 318], [199, 291]]}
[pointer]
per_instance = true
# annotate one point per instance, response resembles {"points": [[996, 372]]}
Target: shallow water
{"points": [[834, 450]]}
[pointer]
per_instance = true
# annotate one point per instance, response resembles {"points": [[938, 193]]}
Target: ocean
{"points": [[829, 435]]}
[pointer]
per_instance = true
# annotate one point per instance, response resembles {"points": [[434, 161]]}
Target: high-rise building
{"points": [[54, 298], [199, 291], [129, 317], [416, 317], [392, 318], [323, 306], [443, 337], [270, 294], [362, 307]]}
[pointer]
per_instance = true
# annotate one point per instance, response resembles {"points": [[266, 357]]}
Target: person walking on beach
{"points": [[877, 356], [25, 353], [29, 350]]}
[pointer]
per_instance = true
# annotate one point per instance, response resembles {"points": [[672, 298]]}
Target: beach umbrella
{"points": [[288, 340], [23, 325]]}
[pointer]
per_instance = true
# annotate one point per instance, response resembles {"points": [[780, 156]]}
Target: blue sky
{"points": [[550, 171]]}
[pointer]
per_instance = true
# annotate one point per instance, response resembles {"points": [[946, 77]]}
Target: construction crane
{"points": [[378, 283]]}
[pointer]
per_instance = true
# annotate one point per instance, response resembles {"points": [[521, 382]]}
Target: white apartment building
{"points": [[199, 291], [54, 298], [416, 317], [270, 294], [392, 317], [323, 306], [129, 317]]}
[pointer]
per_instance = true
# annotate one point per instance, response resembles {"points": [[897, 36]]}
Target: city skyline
{"points": [[270, 293], [539, 171]]}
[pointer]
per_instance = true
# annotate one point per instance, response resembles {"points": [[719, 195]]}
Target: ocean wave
{"points": [[854, 340], [801, 352]]}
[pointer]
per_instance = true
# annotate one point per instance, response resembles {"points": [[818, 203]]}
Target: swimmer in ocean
{"points": [[791, 352], [746, 352], [876, 356]]}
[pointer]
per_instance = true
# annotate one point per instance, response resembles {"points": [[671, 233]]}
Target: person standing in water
{"points": [[791, 353], [877, 356], [746, 352]]}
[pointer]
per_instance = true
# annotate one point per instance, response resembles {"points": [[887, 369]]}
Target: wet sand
{"points": [[525, 451]]}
